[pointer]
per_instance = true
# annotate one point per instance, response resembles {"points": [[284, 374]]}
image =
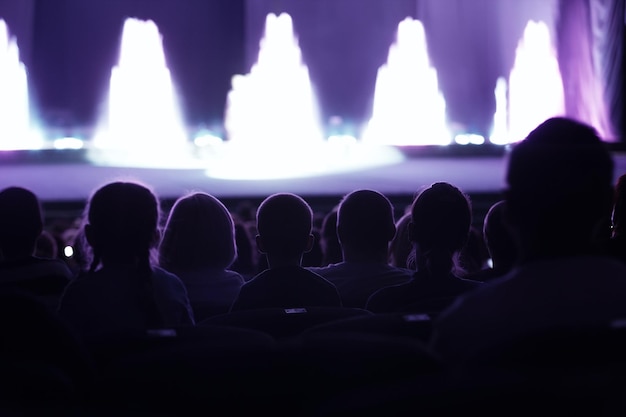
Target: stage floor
{"points": [[65, 181]]}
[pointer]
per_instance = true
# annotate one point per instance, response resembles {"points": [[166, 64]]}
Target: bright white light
{"points": [[274, 104], [342, 140], [408, 107], [462, 139], [207, 139], [143, 125], [68, 251], [68, 143], [272, 120], [476, 139], [500, 132], [535, 84], [15, 133]]}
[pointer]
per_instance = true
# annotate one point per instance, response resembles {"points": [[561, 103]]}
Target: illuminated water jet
{"points": [[143, 125], [408, 107], [272, 120], [274, 104], [500, 129], [15, 129], [535, 84]]}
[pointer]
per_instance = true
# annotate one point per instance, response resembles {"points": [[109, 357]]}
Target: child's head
{"points": [[199, 232], [21, 222], [284, 223], [122, 223]]}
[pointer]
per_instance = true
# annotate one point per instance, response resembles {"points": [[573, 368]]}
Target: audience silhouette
{"points": [[123, 290], [284, 224], [21, 226], [441, 216], [331, 248], [558, 200], [365, 226], [400, 247], [198, 246], [500, 244]]}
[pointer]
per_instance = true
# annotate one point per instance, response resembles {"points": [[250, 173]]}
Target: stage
{"points": [[64, 179]]}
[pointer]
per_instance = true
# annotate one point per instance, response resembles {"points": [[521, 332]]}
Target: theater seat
{"points": [[281, 322], [417, 326]]}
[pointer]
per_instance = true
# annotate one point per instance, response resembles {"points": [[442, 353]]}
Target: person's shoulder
{"points": [[230, 274], [165, 277], [481, 296]]}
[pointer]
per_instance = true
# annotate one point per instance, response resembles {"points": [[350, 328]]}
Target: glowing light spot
{"points": [[207, 139], [408, 107], [469, 139], [68, 143], [535, 74], [68, 251], [15, 131], [143, 125]]}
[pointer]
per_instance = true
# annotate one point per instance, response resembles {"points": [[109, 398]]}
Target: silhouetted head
{"points": [[400, 247], [329, 240], [560, 189], [441, 217], [246, 260], [21, 222], [122, 223], [619, 207], [199, 232], [284, 223], [498, 238], [365, 224]]}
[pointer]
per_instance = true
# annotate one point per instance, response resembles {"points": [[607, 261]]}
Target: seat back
{"points": [[417, 326], [284, 322]]}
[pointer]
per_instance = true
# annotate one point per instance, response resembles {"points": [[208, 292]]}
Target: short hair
{"points": [[199, 232], [561, 167], [441, 217], [365, 220], [21, 220], [125, 216], [498, 238], [284, 222]]}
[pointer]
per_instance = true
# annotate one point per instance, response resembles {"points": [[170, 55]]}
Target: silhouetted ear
{"points": [[309, 243], [259, 244]]}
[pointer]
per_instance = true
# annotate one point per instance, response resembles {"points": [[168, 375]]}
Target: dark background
{"points": [[70, 46]]}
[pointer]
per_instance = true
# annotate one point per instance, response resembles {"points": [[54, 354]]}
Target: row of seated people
{"points": [[560, 175]]}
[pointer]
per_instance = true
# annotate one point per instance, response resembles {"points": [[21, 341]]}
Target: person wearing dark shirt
{"points": [[441, 217], [284, 224]]}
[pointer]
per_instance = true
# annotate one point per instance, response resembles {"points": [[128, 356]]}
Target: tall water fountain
{"points": [[408, 107], [535, 84], [272, 119], [500, 130], [274, 105], [142, 123], [15, 129]]}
